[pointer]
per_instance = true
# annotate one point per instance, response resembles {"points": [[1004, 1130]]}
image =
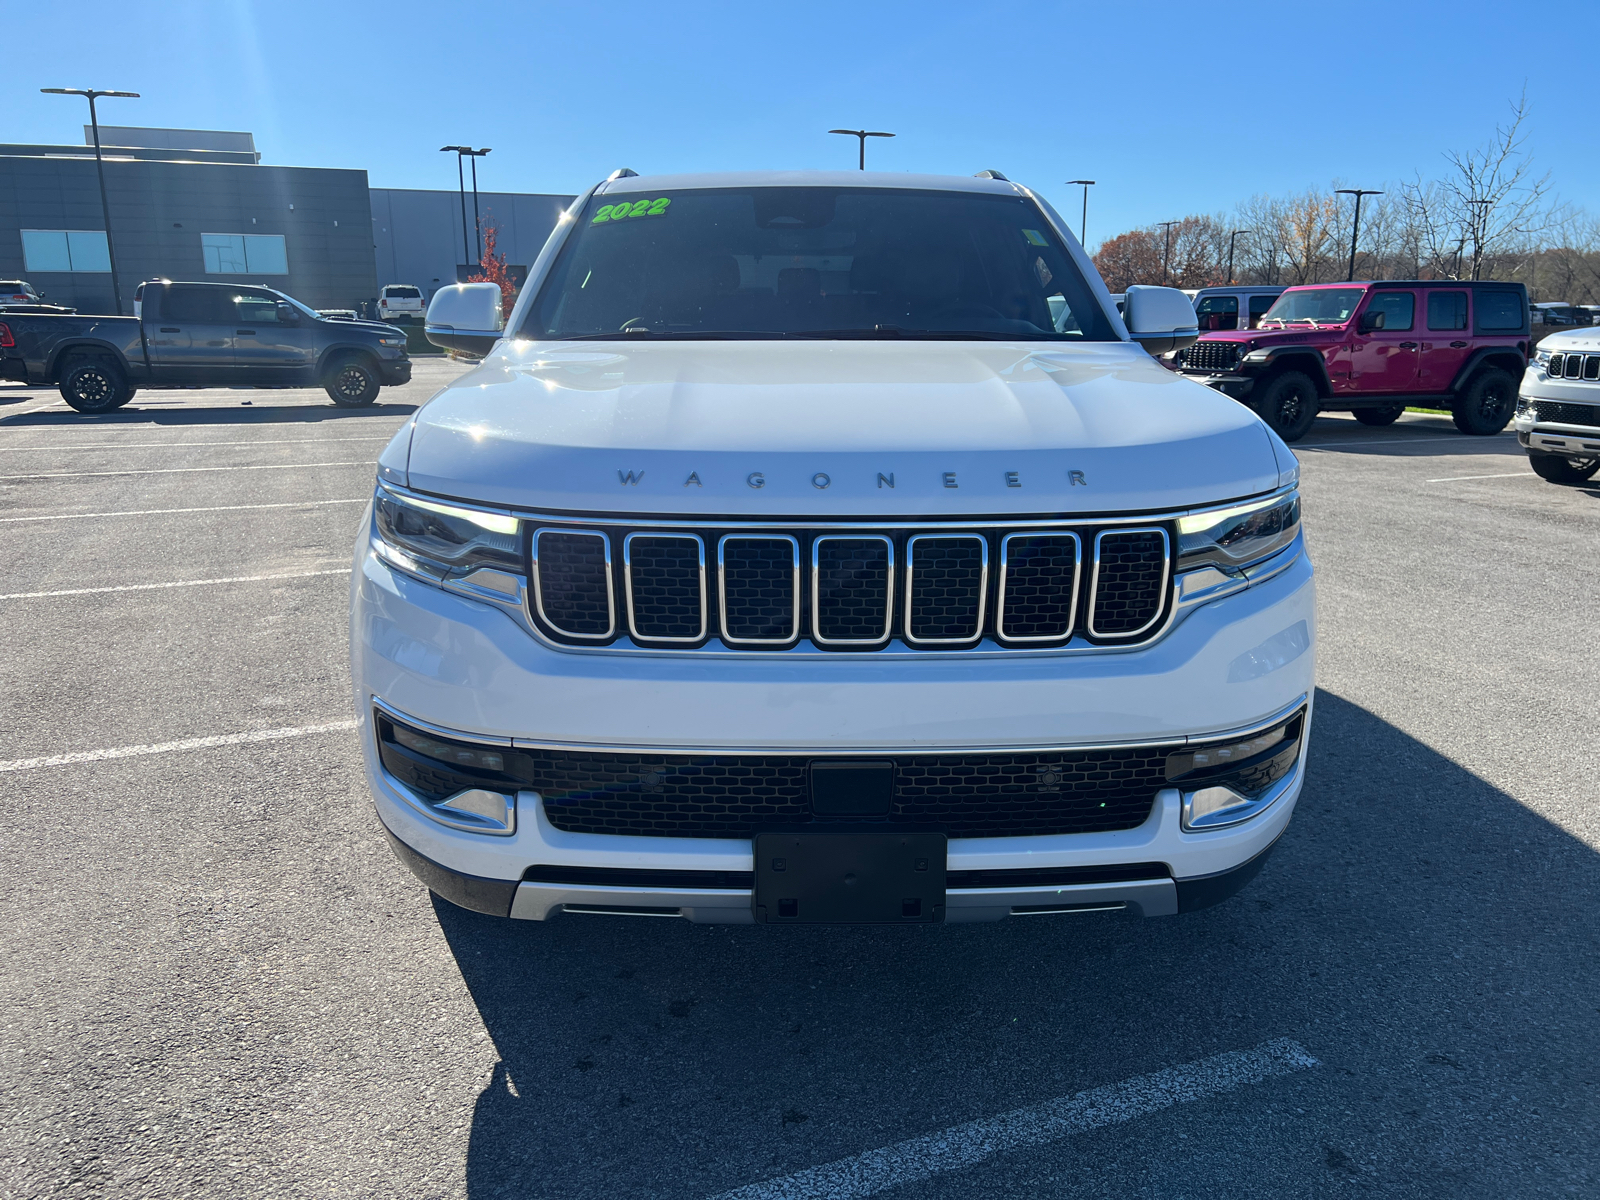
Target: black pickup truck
{"points": [[201, 335]]}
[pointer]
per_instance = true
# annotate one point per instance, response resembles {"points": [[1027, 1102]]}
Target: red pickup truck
{"points": [[1372, 349]]}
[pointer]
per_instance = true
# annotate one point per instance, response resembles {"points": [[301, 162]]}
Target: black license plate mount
{"points": [[849, 877]]}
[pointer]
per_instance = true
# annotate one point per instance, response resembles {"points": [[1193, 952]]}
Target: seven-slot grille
{"points": [[1574, 366], [1207, 355], [1558, 413], [843, 589]]}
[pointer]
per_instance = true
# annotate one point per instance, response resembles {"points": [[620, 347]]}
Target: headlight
{"points": [[392, 341], [1541, 357], [1231, 539], [444, 539]]}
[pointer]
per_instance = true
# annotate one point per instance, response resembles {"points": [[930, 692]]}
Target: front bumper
{"points": [[395, 372], [1555, 437], [446, 660]]}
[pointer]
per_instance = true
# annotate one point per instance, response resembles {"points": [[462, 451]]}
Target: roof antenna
{"points": [[991, 173], [622, 173]]}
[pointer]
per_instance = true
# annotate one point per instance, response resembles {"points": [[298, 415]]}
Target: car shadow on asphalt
{"points": [[232, 414], [1420, 931]]}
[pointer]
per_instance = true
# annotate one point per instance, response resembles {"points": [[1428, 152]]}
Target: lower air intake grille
{"points": [[1565, 414], [978, 795], [1130, 581]]}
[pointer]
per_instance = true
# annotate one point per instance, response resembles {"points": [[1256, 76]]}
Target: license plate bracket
{"points": [[849, 877]]}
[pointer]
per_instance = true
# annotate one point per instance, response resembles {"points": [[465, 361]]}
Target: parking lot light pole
{"points": [[100, 168], [461, 181], [477, 222], [1166, 255], [1231, 238], [1355, 225], [863, 134], [1083, 225]]}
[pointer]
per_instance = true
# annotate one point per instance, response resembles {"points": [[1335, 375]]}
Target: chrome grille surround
{"points": [[912, 613], [817, 544], [1095, 582], [628, 585], [539, 597], [722, 587], [1003, 590]]}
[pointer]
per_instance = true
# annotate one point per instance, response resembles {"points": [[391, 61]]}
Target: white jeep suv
{"points": [[824, 548]]}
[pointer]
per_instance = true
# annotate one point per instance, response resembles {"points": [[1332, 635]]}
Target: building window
{"points": [[244, 253], [63, 250]]}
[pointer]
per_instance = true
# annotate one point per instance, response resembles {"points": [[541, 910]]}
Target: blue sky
{"points": [[1174, 108]]}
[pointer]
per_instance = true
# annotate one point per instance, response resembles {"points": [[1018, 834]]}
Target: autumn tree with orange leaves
{"points": [[492, 267]]}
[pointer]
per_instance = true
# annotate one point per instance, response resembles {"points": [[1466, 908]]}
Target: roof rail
{"points": [[991, 173], [622, 173]]}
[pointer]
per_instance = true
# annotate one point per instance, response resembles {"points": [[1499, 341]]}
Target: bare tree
{"points": [[1486, 204]]}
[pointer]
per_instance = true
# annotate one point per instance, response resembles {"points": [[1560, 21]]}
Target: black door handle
{"points": [[1408, 345], [1458, 345], [250, 332], [170, 329]]}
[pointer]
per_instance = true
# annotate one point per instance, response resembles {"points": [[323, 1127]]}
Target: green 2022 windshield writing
{"points": [[638, 208]]}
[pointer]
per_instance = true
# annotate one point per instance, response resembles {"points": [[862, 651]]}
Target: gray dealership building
{"points": [[199, 204]]}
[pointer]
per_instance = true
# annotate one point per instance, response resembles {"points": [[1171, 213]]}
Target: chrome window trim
{"points": [[1162, 588], [983, 587], [1077, 579], [722, 589], [627, 585], [538, 591], [888, 591]]}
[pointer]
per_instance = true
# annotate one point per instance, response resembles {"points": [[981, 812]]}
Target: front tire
{"points": [[1387, 415], [1556, 469], [1485, 405], [351, 382], [94, 385], [1288, 403]]}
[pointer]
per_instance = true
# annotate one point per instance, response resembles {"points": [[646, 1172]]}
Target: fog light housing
{"points": [[1225, 782], [1216, 799]]}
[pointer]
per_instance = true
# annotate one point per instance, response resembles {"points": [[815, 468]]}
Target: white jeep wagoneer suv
{"points": [[825, 548]]}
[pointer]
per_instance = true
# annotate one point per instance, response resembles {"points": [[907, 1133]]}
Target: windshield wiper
{"points": [[690, 335], [900, 331]]}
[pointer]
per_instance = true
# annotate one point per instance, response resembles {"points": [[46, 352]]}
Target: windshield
{"points": [[818, 262], [310, 312], [1314, 306]]}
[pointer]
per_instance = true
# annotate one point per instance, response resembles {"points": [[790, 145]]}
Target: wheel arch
{"points": [[340, 349], [1507, 358], [62, 353], [1304, 359]]}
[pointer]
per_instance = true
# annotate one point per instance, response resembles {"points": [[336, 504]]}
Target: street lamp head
{"points": [[1076, 182], [475, 153], [92, 93], [455, 149]]}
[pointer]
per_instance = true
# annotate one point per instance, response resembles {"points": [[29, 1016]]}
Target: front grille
{"points": [[691, 585], [1207, 355], [1566, 414], [1574, 366]]}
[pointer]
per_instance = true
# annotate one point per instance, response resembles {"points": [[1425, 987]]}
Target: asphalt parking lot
{"points": [[218, 981]]}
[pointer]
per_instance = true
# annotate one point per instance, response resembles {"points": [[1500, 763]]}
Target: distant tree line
{"points": [[1487, 216]]}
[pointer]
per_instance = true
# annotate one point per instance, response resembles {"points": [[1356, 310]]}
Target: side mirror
{"points": [[1370, 321], [288, 314], [466, 316], [1160, 318]]}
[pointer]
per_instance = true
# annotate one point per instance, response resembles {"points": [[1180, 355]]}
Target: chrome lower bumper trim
{"points": [[1146, 897]]}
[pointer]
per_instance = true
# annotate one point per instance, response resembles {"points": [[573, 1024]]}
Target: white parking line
{"points": [[161, 512], [190, 470], [201, 743], [963, 1145], [1359, 442], [164, 445], [1507, 475], [152, 587]]}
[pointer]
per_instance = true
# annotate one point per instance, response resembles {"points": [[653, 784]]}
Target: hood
{"points": [[369, 326], [1585, 337], [825, 429], [1299, 335]]}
